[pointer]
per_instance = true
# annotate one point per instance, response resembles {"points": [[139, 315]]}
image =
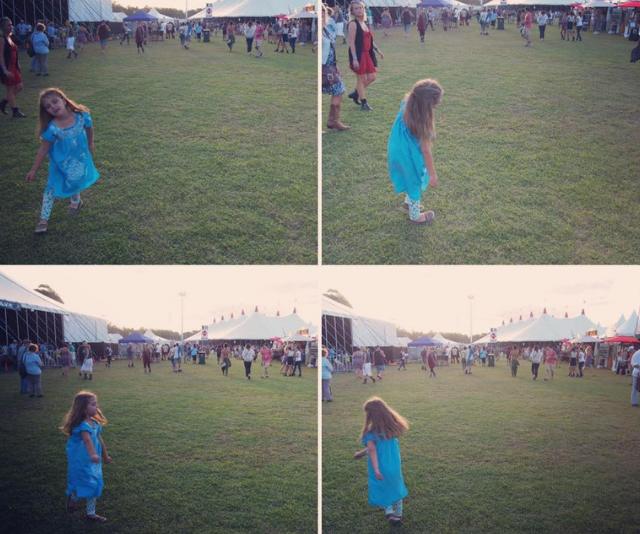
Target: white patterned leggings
{"points": [[47, 202], [395, 508], [414, 208]]}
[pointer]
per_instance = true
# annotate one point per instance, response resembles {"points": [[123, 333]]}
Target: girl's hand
{"points": [[380, 54], [433, 180], [95, 459], [107, 459], [356, 64], [91, 147], [379, 475], [30, 176], [9, 74], [360, 454]]}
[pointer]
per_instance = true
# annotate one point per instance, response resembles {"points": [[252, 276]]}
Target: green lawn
{"points": [[490, 454], [205, 157], [192, 452], [536, 153]]}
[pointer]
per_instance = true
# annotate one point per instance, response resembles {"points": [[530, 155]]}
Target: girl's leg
{"points": [[75, 200], [11, 95], [414, 209], [47, 204], [360, 87]]}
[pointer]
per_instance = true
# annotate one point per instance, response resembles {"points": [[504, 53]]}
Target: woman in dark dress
{"points": [[9, 69], [362, 57]]}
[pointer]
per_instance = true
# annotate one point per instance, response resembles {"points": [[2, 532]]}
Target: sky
{"points": [[159, 4], [136, 296], [436, 298]]}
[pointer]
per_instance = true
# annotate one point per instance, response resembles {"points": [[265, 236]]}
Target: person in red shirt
{"points": [[526, 28], [550, 358], [267, 356]]}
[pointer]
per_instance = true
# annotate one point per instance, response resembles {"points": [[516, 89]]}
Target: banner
{"points": [[208, 14], [10, 305]]}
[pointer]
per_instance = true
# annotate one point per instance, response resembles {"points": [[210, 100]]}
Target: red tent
{"points": [[622, 339], [629, 4]]}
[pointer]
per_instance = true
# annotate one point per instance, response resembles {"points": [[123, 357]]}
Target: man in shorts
{"points": [[103, 32]]}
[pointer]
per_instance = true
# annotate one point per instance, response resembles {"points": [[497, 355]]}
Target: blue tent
{"points": [[140, 16], [136, 337], [424, 341], [432, 3]]}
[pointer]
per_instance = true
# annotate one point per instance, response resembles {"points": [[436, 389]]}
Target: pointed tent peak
{"points": [[242, 312], [214, 320], [503, 323], [222, 318], [511, 320], [295, 310], [582, 311], [545, 310], [231, 315], [520, 318], [566, 315], [530, 314], [278, 314], [256, 308]]}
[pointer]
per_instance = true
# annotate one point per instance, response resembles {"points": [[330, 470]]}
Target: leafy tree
{"points": [[48, 291]]}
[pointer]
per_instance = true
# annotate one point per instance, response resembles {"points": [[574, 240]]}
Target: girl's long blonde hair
{"points": [[380, 418], [76, 414], [418, 110], [45, 116]]}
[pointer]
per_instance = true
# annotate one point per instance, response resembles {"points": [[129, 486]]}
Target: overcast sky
{"points": [[436, 298], [136, 296], [159, 4]]}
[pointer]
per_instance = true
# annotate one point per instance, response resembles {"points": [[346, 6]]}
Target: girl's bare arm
{"points": [[373, 456], [105, 455], [428, 162], [86, 439]]}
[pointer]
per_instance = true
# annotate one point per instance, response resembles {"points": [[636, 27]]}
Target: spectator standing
{"points": [[326, 376]]}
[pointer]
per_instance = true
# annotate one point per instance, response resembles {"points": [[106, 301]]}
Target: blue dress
{"points": [[71, 167], [83, 477], [406, 162], [391, 489]]}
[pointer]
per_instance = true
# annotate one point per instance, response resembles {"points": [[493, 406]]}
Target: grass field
{"points": [[535, 153], [204, 156], [490, 454], [192, 452]]}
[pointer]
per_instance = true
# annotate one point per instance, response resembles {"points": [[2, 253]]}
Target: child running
{"points": [[382, 428], [410, 159], [66, 131], [83, 424]]}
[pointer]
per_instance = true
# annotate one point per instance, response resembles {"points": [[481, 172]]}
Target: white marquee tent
{"points": [[90, 10], [155, 13], [156, 338], [256, 326], [629, 327], [365, 331], [257, 8], [15, 322]]}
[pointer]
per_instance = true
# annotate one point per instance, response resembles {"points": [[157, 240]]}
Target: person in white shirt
{"points": [[536, 357], [298, 362], [248, 355], [635, 371], [542, 23]]}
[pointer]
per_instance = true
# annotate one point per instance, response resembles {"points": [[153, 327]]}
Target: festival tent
{"points": [[159, 16], [630, 327], [26, 314], [612, 330], [155, 338], [117, 17], [135, 337], [90, 10], [439, 337], [140, 16], [404, 341], [256, 8], [424, 341], [344, 328]]}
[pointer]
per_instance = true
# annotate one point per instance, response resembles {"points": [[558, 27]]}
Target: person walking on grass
{"points": [[326, 376], [526, 26], [386, 21], [33, 365], [422, 23], [297, 363], [139, 38], [335, 86], [536, 358], [410, 159], [248, 355], [431, 362], [362, 54], [542, 23], [87, 361], [514, 362], [66, 131], [366, 368], [226, 359], [65, 359], [231, 37], [635, 373], [266, 355], [589, 359], [573, 363], [358, 362], [581, 361], [85, 449], [103, 33], [380, 360], [550, 357], [259, 38], [146, 358], [382, 428]]}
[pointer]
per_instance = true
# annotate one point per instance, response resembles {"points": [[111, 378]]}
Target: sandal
{"points": [[41, 228], [429, 216], [97, 518], [71, 506], [74, 211]]}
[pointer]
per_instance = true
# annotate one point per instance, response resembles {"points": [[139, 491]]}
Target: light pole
{"points": [[470, 297], [182, 296]]}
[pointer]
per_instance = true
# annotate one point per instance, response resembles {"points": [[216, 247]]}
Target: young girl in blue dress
{"points": [[382, 428], [409, 154], [83, 424], [66, 131]]}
